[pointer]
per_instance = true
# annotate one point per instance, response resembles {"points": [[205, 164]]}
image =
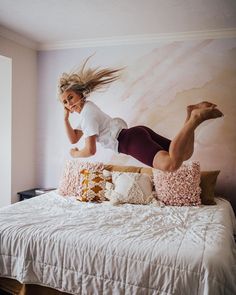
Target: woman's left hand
{"points": [[74, 152]]}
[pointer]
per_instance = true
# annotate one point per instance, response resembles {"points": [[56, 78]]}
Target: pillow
{"points": [[120, 168], [147, 170], [127, 187], [70, 179], [207, 184], [92, 185], [179, 188]]}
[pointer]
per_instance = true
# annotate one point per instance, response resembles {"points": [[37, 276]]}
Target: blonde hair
{"points": [[85, 81]]}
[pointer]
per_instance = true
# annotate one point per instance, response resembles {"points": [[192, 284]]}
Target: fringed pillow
{"points": [[133, 188], [92, 185], [179, 188]]}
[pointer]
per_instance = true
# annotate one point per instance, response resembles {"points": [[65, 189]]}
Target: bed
{"points": [[66, 246]]}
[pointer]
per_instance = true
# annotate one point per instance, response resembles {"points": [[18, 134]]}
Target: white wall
{"points": [[5, 129], [24, 92]]}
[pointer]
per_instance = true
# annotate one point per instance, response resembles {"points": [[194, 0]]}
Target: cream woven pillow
{"points": [[126, 187]]}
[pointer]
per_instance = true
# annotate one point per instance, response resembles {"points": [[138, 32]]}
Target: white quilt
{"points": [[86, 248]]}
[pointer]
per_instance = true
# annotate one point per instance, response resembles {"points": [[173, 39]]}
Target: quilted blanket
{"points": [[88, 248]]}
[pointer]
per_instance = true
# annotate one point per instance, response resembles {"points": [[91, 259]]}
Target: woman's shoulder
{"points": [[90, 105]]}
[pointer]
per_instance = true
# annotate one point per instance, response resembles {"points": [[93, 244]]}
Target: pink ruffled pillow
{"points": [[70, 179], [179, 188]]}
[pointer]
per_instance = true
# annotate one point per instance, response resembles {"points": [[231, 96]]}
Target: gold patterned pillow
{"points": [[92, 186]]}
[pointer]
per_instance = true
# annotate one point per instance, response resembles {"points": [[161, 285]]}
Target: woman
{"points": [[140, 141]]}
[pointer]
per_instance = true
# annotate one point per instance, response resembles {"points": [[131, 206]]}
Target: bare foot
{"points": [[200, 105], [203, 114]]}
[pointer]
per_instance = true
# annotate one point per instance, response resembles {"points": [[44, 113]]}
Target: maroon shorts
{"points": [[142, 143]]}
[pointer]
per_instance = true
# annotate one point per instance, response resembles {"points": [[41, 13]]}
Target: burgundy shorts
{"points": [[142, 143]]}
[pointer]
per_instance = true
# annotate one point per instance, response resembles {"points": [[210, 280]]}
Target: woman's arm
{"points": [[88, 150], [74, 135]]}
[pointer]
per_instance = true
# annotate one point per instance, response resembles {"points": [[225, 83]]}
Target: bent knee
{"points": [[170, 167], [164, 162], [173, 166]]}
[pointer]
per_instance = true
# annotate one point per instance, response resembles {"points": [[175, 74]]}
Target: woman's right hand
{"points": [[66, 113]]}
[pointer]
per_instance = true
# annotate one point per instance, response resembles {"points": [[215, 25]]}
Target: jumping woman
{"points": [[140, 142]]}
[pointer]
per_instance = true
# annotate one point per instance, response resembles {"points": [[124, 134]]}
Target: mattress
{"points": [[88, 248]]}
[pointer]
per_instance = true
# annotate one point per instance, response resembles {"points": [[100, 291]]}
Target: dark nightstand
{"points": [[31, 193]]}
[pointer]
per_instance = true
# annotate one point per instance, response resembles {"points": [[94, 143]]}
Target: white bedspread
{"points": [[84, 248]]}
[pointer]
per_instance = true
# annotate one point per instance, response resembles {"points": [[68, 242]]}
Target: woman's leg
{"points": [[182, 145], [190, 142]]}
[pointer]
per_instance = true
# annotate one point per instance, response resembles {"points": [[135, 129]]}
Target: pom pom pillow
{"points": [[127, 187], [179, 188], [70, 178]]}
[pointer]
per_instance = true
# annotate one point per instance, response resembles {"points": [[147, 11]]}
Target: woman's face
{"points": [[72, 101]]}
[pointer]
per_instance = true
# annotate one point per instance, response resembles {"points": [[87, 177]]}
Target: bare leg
{"points": [[182, 145], [190, 142]]}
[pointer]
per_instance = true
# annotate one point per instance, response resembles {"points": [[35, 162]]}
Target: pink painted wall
{"points": [[159, 81]]}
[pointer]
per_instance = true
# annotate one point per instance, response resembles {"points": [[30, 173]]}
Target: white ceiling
{"points": [[51, 21]]}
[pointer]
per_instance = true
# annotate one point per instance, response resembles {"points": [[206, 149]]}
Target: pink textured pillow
{"points": [[69, 182], [179, 188]]}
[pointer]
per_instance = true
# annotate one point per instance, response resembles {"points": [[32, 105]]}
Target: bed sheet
{"points": [[88, 248]]}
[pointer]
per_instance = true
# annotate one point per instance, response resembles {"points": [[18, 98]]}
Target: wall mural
{"points": [[157, 84]]}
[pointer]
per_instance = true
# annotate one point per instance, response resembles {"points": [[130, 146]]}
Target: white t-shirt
{"points": [[93, 121]]}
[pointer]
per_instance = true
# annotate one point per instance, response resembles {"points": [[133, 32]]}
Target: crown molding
{"points": [[17, 38], [119, 40], [139, 39]]}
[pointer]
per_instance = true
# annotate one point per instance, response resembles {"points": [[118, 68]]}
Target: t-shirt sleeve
{"points": [[90, 126]]}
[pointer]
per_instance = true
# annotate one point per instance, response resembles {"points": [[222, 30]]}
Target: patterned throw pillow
{"points": [[92, 185], [179, 188], [127, 187]]}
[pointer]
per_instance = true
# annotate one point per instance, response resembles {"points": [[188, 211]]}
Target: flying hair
{"points": [[86, 80]]}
